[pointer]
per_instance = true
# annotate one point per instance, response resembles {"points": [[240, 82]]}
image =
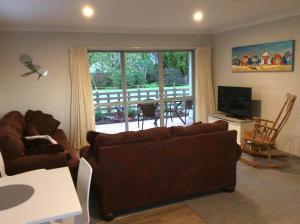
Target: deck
{"points": [[133, 125]]}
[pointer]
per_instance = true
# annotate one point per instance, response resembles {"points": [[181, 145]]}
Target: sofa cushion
{"points": [[45, 124], [199, 128], [14, 119], [101, 139], [30, 130], [11, 147], [35, 142], [91, 137], [44, 149], [155, 134]]}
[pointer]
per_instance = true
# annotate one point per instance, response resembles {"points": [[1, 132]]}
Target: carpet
{"points": [[172, 214], [262, 196]]}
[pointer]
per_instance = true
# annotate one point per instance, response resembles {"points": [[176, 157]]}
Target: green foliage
{"points": [[99, 116], [141, 69], [178, 60]]}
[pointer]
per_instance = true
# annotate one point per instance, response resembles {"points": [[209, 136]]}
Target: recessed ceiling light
{"points": [[88, 11], [198, 16]]}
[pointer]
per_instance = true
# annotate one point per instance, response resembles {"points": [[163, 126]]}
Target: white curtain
{"points": [[82, 106], [204, 91]]}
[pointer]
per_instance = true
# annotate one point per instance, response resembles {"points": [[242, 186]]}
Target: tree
{"points": [[141, 68], [178, 60]]}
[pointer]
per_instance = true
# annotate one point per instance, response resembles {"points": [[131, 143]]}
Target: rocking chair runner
{"points": [[262, 138]]}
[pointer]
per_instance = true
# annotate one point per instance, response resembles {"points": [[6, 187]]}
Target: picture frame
{"points": [[266, 57]]}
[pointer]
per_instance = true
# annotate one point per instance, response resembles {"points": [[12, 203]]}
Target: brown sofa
{"points": [[21, 156], [133, 169]]}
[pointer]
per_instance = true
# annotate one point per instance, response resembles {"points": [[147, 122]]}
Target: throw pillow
{"points": [[44, 149], [35, 142], [44, 123], [30, 130]]}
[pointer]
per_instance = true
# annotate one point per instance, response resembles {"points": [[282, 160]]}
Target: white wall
{"points": [[269, 87], [52, 93]]}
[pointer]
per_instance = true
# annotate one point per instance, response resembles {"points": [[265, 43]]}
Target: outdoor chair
{"points": [[147, 110], [188, 105]]}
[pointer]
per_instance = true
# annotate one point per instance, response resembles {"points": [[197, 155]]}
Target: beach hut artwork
{"points": [[268, 57]]}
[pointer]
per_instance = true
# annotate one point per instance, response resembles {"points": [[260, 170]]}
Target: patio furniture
{"points": [[147, 110], [188, 105], [134, 169], [171, 108], [261, 141], [60, 201]]}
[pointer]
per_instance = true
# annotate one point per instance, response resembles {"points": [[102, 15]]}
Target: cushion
{"points": [[35, 142], [155, 134], [11, 147], [44, 149], [14, 119], [30, 130], [198, 128], [117, 139], [45, 124], [91, 137]]}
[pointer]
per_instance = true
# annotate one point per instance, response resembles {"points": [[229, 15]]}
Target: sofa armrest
{"points": [[60, 136], [34, 162]]}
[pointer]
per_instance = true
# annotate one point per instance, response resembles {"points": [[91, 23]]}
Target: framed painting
{"points": [[268, 57]]}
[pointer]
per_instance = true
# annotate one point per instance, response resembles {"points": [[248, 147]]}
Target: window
{"points": [[136, 90]]}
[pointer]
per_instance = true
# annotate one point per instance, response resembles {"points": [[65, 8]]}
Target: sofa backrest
{"points": [[15, 120], [98, 140]]}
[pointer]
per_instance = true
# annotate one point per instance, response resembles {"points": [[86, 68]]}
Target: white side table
{"points": [[240, 125]]}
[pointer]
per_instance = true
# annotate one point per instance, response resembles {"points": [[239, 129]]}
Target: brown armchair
{"points": [[18, 158]]}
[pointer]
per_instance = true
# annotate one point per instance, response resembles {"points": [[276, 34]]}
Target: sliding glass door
{"points": [[178, 87], [136, 90]]}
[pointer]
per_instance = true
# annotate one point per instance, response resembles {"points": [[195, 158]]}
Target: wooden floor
{"points": [[174, 214]]}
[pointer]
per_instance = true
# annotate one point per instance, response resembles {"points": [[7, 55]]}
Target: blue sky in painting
{"points": [[259, 49]]}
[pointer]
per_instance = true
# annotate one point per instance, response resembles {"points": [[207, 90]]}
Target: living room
{"points": [[36, 37]]}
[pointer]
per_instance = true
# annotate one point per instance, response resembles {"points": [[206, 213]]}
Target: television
{"points": [[235, 101]]}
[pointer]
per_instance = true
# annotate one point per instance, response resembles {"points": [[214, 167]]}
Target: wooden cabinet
{"points": [[240, 125]]}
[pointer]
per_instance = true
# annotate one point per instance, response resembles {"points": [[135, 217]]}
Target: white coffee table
{"points": [[54, 197]]}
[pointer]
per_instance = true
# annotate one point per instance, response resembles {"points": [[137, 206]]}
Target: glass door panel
{"points": [[142, 87], [178, 86], [106, 76]]}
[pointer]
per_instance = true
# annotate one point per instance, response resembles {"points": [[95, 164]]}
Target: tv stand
{"points": [[240, 125]]}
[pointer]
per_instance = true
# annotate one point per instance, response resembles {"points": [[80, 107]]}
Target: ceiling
{"points": [[142, 16]]}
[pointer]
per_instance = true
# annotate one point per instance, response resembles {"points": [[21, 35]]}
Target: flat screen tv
{"points": [[235, 101]]}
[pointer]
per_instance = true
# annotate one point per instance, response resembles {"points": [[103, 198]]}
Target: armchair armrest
{"points": [[261, 120], [265, 126], [34, 162]]}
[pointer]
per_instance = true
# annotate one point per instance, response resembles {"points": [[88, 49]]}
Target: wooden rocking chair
{"points": [[261, 141]]}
